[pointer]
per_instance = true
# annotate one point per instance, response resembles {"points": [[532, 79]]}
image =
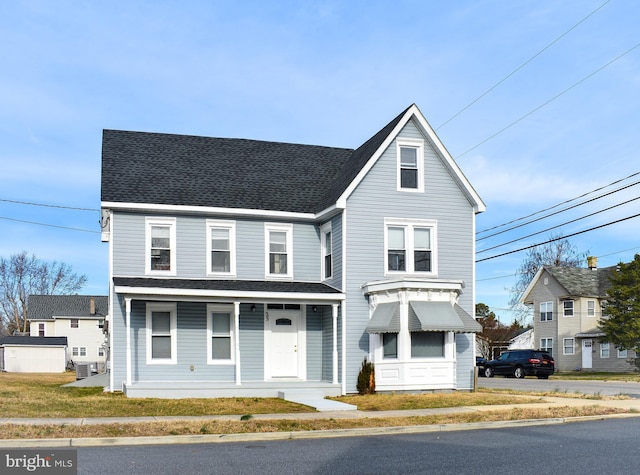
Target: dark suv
{"points": [[521, 363]]}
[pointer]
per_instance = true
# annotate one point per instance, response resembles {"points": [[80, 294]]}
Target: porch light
{"points": [[253, 307]]}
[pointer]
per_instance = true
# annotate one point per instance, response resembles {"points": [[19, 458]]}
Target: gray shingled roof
{"points": [[235, 285], [34, 340], [45, 307], [169, 169], [583, 282]]}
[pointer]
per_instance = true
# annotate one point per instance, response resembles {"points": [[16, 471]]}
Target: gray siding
{"points": [[465, 360], [314, 344], [252, 343], [442, 201]]}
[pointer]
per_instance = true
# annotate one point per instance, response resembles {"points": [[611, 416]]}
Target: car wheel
{"points": [[543, 376], [518, 372], [488, 373]]}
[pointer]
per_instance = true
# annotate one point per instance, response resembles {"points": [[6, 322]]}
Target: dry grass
{"points": [[10, 431], [585, 375]]}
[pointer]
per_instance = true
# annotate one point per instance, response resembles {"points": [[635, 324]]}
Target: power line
{"points": [[49, 225], [558, 238], [521, 66], [559, 204], [48, 205], [548, 101]]}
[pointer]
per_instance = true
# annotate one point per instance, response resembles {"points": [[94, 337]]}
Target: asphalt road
{"points": [[604, 446], [603, 388]]}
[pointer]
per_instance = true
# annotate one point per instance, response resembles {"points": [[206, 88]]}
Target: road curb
{"points": [[317, 434]]}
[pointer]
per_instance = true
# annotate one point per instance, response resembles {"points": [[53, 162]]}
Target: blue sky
{"points": [[563, 122]]}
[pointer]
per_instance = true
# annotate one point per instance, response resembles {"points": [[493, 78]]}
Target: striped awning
{"points": [[385, 319]]}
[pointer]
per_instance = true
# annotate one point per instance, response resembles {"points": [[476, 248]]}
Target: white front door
{"points": [[284, 343], [586, 354]]}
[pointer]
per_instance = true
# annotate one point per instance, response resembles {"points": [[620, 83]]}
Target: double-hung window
{"points": [[546, 344], [604, 349], [221, 251], [40, 329], [546, 311], [410, 246], [160, 246], [279, 246], [567, 307], [327, 251], [74, 323], [568, 346], [161, 333], [591, 308], [220, 334], [410, 165], [622, 353], [389, 345]]}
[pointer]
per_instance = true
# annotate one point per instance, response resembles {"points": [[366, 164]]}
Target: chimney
{"points": [[592, 262], [92, 306]]}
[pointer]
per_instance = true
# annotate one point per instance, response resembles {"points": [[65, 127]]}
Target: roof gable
{"points": [[577, 281]]}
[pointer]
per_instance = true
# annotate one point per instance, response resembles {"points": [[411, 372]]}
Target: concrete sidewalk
{"points": [[632, 405]]}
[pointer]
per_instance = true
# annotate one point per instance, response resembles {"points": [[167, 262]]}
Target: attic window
{"points": [[410, 165]]}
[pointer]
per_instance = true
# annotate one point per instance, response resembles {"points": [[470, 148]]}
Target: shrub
{"points": [[366, 378]]}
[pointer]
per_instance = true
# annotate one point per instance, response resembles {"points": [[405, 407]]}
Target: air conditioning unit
{"points": [[83, 370]]}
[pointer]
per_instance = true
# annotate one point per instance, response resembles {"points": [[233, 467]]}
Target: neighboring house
{"points": [[243, 267], [523, 341], [80, 318], [567, 307], [33, 354]]}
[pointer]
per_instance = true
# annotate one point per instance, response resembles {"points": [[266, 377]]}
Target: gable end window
{"points": [[161, 334], [221, 249], [546, 311], [410, 165], [279, 250], [160, 246], [410, 246]]}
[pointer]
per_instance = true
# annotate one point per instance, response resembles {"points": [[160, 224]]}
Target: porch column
{"points": [[334, 369], [127, 327], [236, 316]]}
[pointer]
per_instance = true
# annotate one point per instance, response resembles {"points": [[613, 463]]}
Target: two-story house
{"points": [[245, 267], [80, 318], [567, 307]]}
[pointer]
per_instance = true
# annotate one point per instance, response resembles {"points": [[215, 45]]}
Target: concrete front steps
{"points": [[314, 398]]}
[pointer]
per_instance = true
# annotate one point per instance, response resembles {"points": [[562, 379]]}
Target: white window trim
{"points": [[622, 353], [279, 227], [564, 346], [171, 223], [573, 309], [211, 308], [324, 230], [594, 308], [409, 225], [546, 304], [603, 345], [231, 227], [546, 346], [172, 309], [419, 145]]}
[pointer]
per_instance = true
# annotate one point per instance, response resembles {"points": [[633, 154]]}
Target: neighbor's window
{"points": [[327, 252], [221, 247], [83, 351], [75, 351], [40, 329], [546, 344], [604, 349], [161, 334], [427, 344], [74, 323], [220, 334], [410, 165], [101, 351], [279, 244], [410, 246], [567, 308], [546, 311], [622, 353], [591, 308], [389, 345], [160, 245], [568, 346]]}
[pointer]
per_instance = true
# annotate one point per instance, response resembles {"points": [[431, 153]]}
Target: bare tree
{"points": [[557, 252], [22, 275]]}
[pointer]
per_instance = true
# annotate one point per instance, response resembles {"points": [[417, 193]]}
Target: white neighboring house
{"points": [[80, 318], [524, 341]]}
